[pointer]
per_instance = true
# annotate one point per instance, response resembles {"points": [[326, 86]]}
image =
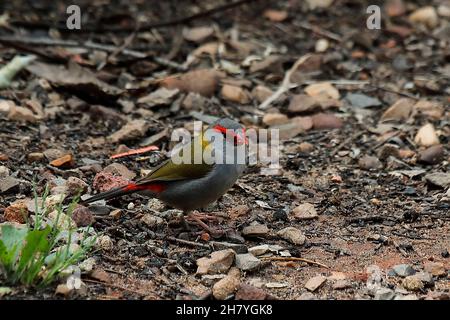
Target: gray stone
{"points": [[255, 230], [362, 101], [307, 296], [237, 247], [403, 270], [293, 235], [315, 282], [384, 294], [247, 262], [412, 283], [9, 184], [440, 179]]}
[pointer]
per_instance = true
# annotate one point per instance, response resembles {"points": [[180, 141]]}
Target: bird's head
{"points": [[232, 131]]}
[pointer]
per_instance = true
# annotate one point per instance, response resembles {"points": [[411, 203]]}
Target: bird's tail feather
{"points": [[113, 193]]}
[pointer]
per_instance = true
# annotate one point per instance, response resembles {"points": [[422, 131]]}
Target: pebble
{"points": [[152, 221], [82, 216], [261, 93], [130, 206], [292, 235], [63, 289], [359, 100], [218, 262], [369, 162], [259, 250], [432, 155], [342, 284], [4, 172], [425, 277], [426, 136], [132, 130], [412, 283], [76, 186], [235, 94], [255, 230], [307, 296], [155, 205], [118, 169], [225, 287], [247, 262], [249, 292], [273, 119], [435, 268], [384, 294], [305, 211], [322, 45], [116, 214], [440, 179], [315, 282], [105, 243], [87, 265], [406, 297], [237, 247], [239, 210], [9, 184], [17, 211], [403, 270], [426, 16], [35, 156]]}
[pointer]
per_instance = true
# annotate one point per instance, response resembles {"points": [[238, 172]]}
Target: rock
{"points": [[426, 16], [104, 181], [307, 296], [444, 10], [4, 172], [198, 34], [437, 269], [271, 63], [249, 292], [100, 275], [401, 110], [326, 121], [35, 156], [116, 214], [152, 221], [22, 114], [406, 297], [87, 265], [227, 286], [388, 150], [384, 294], [63, 289], [52, 154], [247, 262], [194, 101], [359, 100], [62, 221], [412, 283], [342, 284], [303, 103], [321, 45], [315, 282], [305, 147], [218, 262], [82, 216], [305, 211], [235, 94], [292, 235], [403, 270], [369, 162], [66, 161], [440, 179], [255, 230], [105, 243], [425, 277], [131, 130], [273, 119], [9, 184], [239, 211], [118, 169], [76, 186], [160, 97], [261, 93], [322, 89], [432, 155], [259, 250], [296, 126], [276, 285], [156, 205], [236, 247], [275, 15], [426, 136], [202, 81], [17, 211]]}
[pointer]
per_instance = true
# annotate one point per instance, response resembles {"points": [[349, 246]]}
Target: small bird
{"points": [[189, 186]]}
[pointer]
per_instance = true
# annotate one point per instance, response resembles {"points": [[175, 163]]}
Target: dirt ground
{"points": [[364, 172]]}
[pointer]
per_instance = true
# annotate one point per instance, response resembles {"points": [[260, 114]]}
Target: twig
{"points": [[190, 243], [296, 259], [145, 27], [128, 40], [285, 85], [319, 31]]}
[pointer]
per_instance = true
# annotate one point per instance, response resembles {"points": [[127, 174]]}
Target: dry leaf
{"points": [[400, 111]]}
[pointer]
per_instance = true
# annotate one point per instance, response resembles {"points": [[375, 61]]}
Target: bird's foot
{"points": [[197, 218]]}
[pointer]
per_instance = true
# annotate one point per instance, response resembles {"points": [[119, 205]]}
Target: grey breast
{"points": [[198, 193]]}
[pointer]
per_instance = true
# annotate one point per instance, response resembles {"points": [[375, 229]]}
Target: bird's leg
{"points": [[197, 219], [183, 221]]}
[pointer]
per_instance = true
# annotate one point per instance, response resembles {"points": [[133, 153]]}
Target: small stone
{"points": [[119, 169], [303, 103], [247, 262], [53, 153], [342, 284], [235, 94], [105, 181], [259, 250], [63, 289], [155, 204], [275, 15], [100, 275], [359, 100], [35, 156], [9, 184], [17, 211], [440, 179], [261, 93], [239, 211], [227, 286], [273, 119], [369, 162], [249, 292], [87, 265], [432, 155], [132, 130], [388, 150], [425, 277], [292, 235], [105, 243], [406, 297], [237, 247], [437, 269], [412, 283], [426, 16], [4, 172], [384, 294], [198, 34], [305, 211], [152, 221], [116, 214], [403, 270], [322, 89], [64, 222], [305, 147], [322, 45], [255, 230], [218, 262], [307, 296], [401, 110], [315, 282], [76, 186], [426, 136], [326, 121], [82, 216]]}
